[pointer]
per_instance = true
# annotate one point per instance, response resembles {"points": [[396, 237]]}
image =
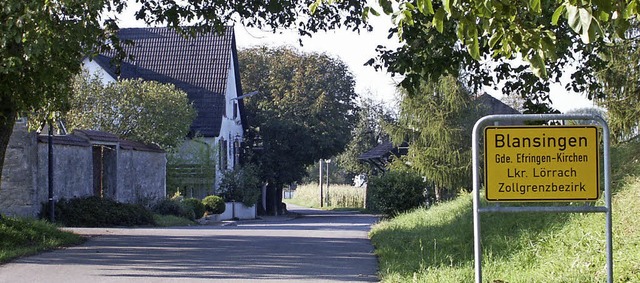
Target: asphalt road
{"points": [[315, 247]]}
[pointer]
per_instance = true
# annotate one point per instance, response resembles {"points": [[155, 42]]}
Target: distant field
{"points": [[339, 196], [436, 245]]}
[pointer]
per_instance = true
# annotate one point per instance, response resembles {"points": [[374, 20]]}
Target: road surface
{"points": [[318, 246]]}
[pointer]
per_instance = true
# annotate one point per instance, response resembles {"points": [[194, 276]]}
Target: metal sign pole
{"points": [[477, 208]]}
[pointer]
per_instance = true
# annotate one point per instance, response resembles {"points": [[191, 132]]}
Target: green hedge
{"points": [[99, 212], [395, 192], [196, 206]]}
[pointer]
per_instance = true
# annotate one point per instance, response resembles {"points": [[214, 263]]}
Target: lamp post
{"points": [[328, 199], [52, 216], [320, 182]]}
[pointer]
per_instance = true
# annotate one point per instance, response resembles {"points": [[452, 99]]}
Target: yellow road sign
{"points": [[548, 163]]}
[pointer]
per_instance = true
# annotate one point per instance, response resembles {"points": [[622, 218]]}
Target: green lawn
{"points": [[21, 237], [436, 245]]}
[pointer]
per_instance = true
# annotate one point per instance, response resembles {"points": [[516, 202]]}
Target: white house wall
{"points": [[231, 127], [95, 69]]}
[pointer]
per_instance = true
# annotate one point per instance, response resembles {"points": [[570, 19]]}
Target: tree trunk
{"points": [[438, 193], [7, 121], [281, 210], [272, 199]]}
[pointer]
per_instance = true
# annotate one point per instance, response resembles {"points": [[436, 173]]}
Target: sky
{"points": [[355, 49]]}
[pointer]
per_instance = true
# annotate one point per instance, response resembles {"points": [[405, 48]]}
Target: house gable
{"points": [[200, 66]]}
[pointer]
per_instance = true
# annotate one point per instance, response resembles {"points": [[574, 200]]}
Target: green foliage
{"points": [[144, 111], [214, 204], [99, 212], [620, 80], [171, 220], [437, 123], [196, 206], [23, 237], [367, 133], [191, 168], [175, 207], [41, 48], [395, 192], [496, 37], [241, 184], [304, 110]]}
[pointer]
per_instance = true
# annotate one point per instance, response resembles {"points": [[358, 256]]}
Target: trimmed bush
{"points": [[395, 192], [99, 212], [214, 204], [196, 206]]}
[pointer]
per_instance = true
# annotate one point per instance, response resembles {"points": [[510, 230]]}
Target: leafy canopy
{"points": [[304, 111], [144, 111]]}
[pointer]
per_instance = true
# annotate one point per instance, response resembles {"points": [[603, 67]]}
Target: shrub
{"points": [[173, 207], [214, 204], [395, 192], [196, 206], [242, 185], [99, 212]]}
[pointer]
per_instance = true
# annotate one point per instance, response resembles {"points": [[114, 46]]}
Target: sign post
{"points": [[541, 164]]}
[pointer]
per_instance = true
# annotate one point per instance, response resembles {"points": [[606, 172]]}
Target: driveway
{"points": [[318, 246]]}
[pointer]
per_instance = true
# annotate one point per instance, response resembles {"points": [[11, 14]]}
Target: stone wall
{"points": [[142, 176], [139, 171], [72, 169], [18, 194]]}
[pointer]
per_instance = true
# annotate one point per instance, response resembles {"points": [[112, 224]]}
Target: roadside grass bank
{"points": [[436, 244], [172, 220], [340, 197], [22, 237]]}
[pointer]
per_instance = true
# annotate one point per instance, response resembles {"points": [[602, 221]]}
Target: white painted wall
{"points": [[238, 210], [94, 69], [231, 127]]}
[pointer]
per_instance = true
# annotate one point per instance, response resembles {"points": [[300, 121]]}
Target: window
{"points": [[223, 154]]}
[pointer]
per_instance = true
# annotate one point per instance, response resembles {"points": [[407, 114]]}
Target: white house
{"points": [[205, 67]]}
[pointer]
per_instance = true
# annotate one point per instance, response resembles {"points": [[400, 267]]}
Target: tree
{"points": [[144, 111], [42, 44], [367, 133], [488, 39], [437, 124], [304, 111], [41, 47], [620, 81]]}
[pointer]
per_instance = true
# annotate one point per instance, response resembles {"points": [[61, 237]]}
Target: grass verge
{"points": [[436, 245], [171, 220], [22, 237]]}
